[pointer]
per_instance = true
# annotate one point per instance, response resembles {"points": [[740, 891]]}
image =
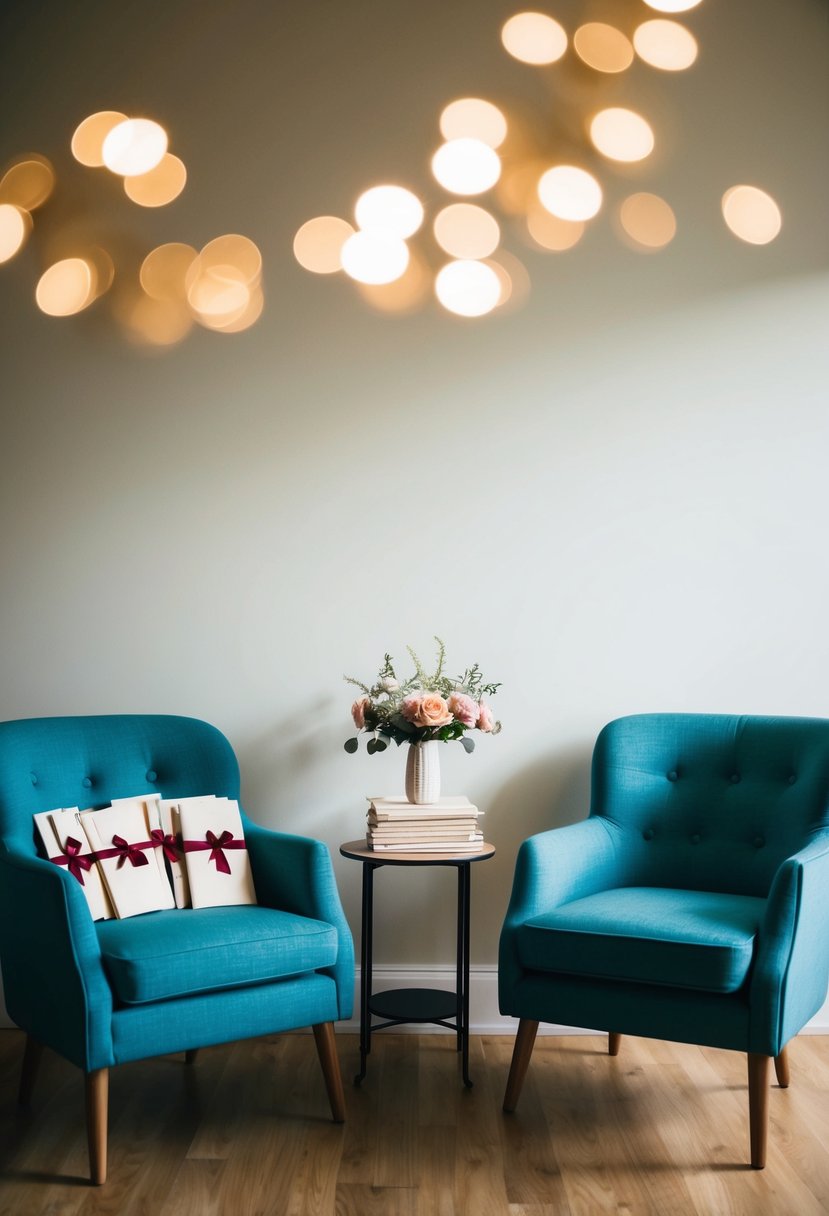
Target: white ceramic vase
{"points": [[423, 772]]}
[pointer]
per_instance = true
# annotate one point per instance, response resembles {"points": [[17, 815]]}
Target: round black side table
{"points": [[399, 1006]]}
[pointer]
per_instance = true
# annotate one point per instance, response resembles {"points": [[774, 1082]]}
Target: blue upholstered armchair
{"points": [[693, 903], [108, 992]]}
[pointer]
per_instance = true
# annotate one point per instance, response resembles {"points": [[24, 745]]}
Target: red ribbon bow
{"points": [[127, 852], [166, 843], [73, 860], [217, 845]]}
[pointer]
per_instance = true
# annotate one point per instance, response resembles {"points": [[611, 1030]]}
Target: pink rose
{"points": [[463, 708], [358, 711], [486, 721], [426, 709]]}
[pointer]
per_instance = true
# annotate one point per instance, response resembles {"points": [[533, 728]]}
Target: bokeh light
{"points": [[517, 188], [751, 214], [164, 271], [553, 233], [247, 317], [402, 296], [468, 288], [319, 242], [473, 118], [603, 47], [88, 140], [466, 166], [218, 294], [134, 146], [621, 134], [238, 252], [534, 38], [672, 6], [67, 287], [374, 257], [390, 209], [157, 322], [464, 230], [160, 185], [28, 183], [513, 279], [648, 221], [15, 226], [570, 193], [666, 45]]}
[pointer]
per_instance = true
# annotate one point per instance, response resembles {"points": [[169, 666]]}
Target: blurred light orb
{"points": [[552, 233], [88, 139], [468, 288], [319, 242], [67, 287], [374, 257], [666, 45], [404, 295], [474, 118], [621, 134], [134, 146], [603, 47], [751, 214], [672, 6], [534, 38], [158, 322], [241, 321], [466, 166], [164, 270], [160, 186], [15, 226], [570, 193], [232, 250], [648, 220], [218, 293], [390, 209], [28, 183], [466, 231]]}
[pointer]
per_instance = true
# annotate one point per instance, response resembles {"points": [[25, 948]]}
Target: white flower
{"points": [[389, 684]]}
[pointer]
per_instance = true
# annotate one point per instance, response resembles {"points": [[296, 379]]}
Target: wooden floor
{"points": [[659, 1129]]}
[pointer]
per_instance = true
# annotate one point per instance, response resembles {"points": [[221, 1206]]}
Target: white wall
{"points": [[613, 498]]}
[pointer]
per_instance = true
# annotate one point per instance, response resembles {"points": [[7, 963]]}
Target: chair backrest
{"points": [[709, 801], [87, 761]]}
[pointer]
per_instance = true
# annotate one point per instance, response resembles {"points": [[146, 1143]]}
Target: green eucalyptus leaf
{"points": [[468, 745], [351, 745]]}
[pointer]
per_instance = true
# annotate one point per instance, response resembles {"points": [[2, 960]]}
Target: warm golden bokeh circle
{"points": [[473, 118], [160, 185], [648, 220], [570, 193], [134, 146], [603, 47], [391, 209], [751, 214], [239, 252], [374, 257], [672, 6], [15, 226], [666, 45], [88, 139], [552, 233], [468, 288], [164, 270], [319, 242], [465, 230], [67, 287], [28, 183], [466, 166], [621, 134], [534, 38]]}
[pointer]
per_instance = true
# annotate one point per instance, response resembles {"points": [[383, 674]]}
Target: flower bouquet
{"points": [[422, 710]]}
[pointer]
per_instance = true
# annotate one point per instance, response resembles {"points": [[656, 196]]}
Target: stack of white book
{"points": [[449, 825]]}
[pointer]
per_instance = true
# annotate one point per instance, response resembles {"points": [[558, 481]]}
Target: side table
{"points": [[399, 1006]]}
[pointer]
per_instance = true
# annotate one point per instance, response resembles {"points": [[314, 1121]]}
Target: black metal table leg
{"points": [[464, 900], [365, 966]]}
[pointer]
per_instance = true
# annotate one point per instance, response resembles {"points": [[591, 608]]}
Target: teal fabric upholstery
{"points": [[183, 953], [238, 972], [684, 939], [693, 903]]}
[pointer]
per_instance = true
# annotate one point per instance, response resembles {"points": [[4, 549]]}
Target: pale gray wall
{"points": [[614, 498]]}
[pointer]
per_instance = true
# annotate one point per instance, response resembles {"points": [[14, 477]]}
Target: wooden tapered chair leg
{"points": [[613, 1042], [524, 1043], [330, 1063], [28, 1071], [781, 1068], [190, 1056], [97, 1100], [758, 1107]]}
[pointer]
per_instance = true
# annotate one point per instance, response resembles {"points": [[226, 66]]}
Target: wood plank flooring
{"points": [[245, 1131]]}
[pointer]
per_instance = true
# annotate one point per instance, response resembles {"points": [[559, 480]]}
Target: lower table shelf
{"points": [[414, 1004]]}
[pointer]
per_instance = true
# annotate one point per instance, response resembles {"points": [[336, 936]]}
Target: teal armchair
{"points": [[103, 993], [692, 905]]}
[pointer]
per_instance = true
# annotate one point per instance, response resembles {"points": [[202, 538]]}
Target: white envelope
{"points": [[55, 827], [171, 826], [210, 887], [132, 888]]}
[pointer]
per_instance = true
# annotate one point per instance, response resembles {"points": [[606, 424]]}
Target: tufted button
{"points": [[735, 778], [759, 841], [34, 778], [673, 775], [695, 839], [648, 834], [87, 783], [151, 774], [792, 779]]}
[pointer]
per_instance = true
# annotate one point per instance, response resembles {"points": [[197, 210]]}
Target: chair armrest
{"points": [[295, 874], [53, 975], [791, 971], [553, 868]]}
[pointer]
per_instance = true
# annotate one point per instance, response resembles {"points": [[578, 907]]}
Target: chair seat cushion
{"points": [[651, 935], [169, 954]]}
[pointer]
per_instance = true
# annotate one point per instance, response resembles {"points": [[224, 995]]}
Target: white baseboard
{"points": [[484, 1017]]}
